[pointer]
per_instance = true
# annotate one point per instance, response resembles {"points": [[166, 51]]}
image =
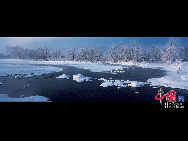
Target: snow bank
{"points": [[5, 98], [64, 76], [81, 78], [12, 67], [94, 67], [173, 79]]}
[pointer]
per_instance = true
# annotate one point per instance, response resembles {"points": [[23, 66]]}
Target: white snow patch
{"points": [[173, 79], [5, 98]]}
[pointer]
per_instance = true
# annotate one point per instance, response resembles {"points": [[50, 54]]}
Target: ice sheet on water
{"points": [[5, 98]]}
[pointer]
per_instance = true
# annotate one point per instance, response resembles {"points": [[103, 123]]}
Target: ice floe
{"points": [[81, 78], [107, 83]]}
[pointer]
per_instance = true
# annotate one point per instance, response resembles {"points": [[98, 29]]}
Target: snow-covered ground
{"points": [[11, 67], [5, 98], [94, 67], [173, 79]]}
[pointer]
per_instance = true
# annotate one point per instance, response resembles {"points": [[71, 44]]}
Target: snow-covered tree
{"points": [[155, 53], [136, 52], [56, 54], [90, 54], [183, 52], [170, 52], [113, 53], [15, 51], [71, 54]]}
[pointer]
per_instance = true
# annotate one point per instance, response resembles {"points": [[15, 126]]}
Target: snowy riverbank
{"points": [[177, 75]]}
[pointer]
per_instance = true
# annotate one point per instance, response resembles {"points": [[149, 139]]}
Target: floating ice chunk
{"points": [[118, 83], [1, 83], [81, 78], [134, 84], [5, 98], [64, 76], [107, 84], [137, 92], [102, 79]]}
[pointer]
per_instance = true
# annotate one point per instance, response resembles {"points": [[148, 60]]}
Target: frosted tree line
{"points": [[133, 52], [32, 54]]}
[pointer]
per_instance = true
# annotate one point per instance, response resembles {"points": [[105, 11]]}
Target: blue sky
{"points": [[64, 43]]}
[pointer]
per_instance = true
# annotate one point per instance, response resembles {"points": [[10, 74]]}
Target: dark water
{"points": [[60, 90], [63, 90]]}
